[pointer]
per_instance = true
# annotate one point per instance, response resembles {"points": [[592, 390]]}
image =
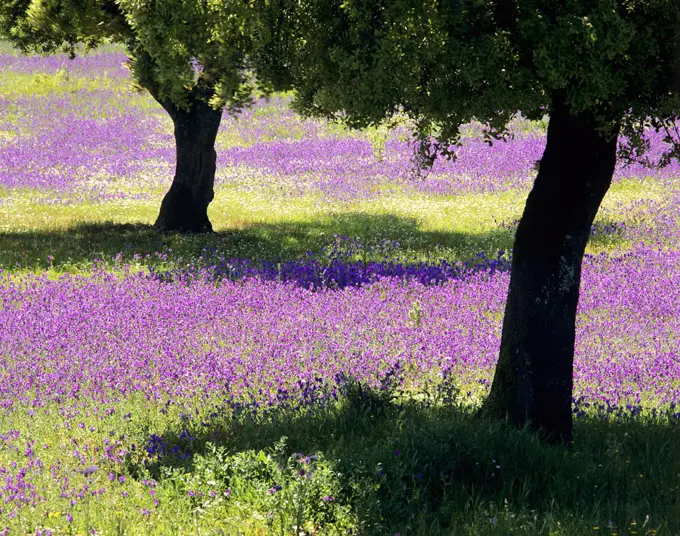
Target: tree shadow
{"points": [[412, 468], [370, 235]]}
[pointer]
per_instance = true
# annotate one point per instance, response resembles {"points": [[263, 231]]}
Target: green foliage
{"points": [[446, 63], [295, 493], [180, 46], [180, 50]]}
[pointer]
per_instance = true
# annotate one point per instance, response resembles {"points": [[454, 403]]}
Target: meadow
{"points": [[315, 365]]}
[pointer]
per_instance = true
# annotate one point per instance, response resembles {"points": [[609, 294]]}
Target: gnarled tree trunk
{"points": [[185, 206], [533, 381]]}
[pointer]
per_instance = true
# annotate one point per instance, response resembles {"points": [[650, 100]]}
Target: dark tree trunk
{"points": [[185, 206], [533, 381]]}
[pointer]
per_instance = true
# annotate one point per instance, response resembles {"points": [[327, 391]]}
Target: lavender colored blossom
{"points": [[103, 337], [94, 143], [103, 63]]}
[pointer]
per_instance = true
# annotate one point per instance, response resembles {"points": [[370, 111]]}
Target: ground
{"points": [[315, 365]]}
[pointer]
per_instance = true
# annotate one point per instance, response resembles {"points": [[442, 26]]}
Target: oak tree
{"points": [[599, 68], [193, 57]]}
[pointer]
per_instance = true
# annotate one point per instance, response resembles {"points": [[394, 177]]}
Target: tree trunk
{"points": [[185, 206], [533, 382]]}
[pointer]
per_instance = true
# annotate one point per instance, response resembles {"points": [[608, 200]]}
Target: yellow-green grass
{"points": [[260, 225], [390, 468], [65, 84], [13, 84]]}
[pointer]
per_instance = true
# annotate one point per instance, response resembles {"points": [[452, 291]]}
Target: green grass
{"points": [[390, 468], [257, 226], [14, 84]]}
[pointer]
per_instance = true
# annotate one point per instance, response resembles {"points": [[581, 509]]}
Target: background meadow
{"points": [[314, 366]]}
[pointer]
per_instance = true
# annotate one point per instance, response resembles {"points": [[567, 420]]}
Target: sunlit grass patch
{"points": [[262, 224], [13, 84], [249, 225], [67, 98], [23, 215]]}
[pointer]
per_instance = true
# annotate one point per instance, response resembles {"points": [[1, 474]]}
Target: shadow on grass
{"points": [[82, 244], [79, 246], [411, 469]]}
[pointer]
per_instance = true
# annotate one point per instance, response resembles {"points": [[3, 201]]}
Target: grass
{"points": [[16, 84], [256, 227], [368, 464]]}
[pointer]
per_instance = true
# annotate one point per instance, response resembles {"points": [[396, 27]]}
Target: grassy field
{"points": [[132, 403]]}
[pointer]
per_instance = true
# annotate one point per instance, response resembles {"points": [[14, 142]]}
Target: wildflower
{"points": [[89, 470], [274, 489]]}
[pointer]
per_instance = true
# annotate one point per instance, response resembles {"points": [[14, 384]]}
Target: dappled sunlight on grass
{"points": [[259, 227]]}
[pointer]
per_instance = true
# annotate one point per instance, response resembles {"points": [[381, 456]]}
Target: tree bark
{"points": [[185, 206], [676, 64], [533, 382]]}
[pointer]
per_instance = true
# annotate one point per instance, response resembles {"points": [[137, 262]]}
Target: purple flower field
{"points": [[86, 143], [104, 337], [84, 357]]}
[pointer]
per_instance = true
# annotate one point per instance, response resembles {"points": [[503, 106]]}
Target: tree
{"points": [[597, 67], [191, 55]]}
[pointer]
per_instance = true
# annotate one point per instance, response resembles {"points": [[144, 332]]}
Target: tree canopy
{"points": [[175, 46], [448, 62], [195, 57]]}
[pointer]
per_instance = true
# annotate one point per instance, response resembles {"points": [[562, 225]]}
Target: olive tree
{"points": [[193, 57], [599, 68]]}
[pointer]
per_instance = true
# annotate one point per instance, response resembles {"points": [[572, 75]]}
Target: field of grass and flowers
{"points": [[314, 366]]}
